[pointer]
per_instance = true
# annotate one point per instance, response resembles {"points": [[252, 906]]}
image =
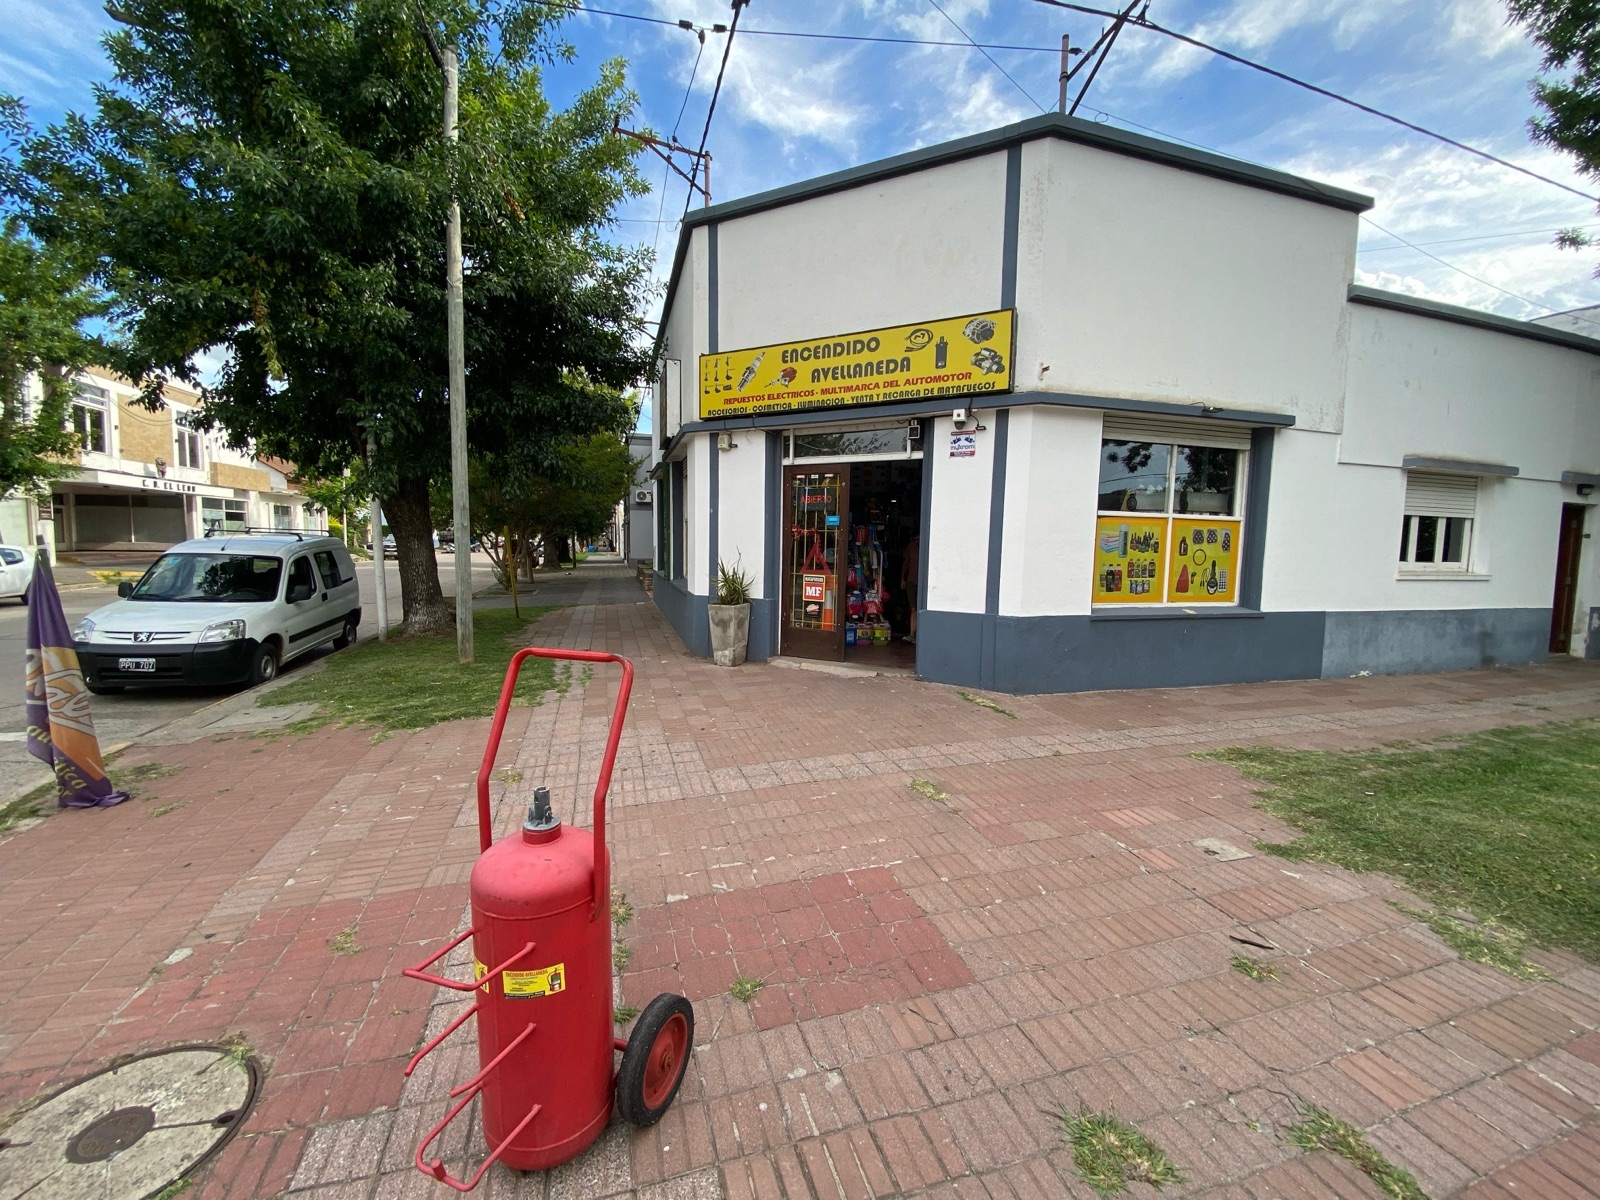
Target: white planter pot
{"points": [[730, 633]]}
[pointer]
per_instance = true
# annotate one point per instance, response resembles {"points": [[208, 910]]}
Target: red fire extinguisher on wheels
{"points": [[541, 939]]}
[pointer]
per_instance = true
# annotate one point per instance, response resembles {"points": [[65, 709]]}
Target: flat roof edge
{"points": [[1070, 129], [1418, 307]]}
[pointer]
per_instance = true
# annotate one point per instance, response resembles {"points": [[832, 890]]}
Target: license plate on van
{"points": [[136, 664]]}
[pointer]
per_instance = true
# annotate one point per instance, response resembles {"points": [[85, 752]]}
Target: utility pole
{"points": [[1066, 55], [456, 320], [379, 568]]}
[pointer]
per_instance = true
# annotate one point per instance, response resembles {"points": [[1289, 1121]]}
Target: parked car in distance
{"points": [[16, 571], [229, 608]]}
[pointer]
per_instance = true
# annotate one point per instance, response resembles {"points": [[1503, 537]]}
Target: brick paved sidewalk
{"points": [[940, 976]]}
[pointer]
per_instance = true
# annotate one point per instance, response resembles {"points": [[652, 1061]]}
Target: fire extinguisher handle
{"points": [[602, 865]]}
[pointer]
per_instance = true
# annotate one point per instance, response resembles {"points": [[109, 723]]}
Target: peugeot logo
{"points": [[143, 637]]}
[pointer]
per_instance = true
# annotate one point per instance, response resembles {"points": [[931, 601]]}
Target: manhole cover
{"points": [[128, 1131]]}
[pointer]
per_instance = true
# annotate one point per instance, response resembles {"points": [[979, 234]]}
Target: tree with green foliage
{"points": [[576, 497], [1568, 86], [44, 304], [269, 177]]}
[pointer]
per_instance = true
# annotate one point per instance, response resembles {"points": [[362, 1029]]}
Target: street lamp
{"points": [[455, 319]]}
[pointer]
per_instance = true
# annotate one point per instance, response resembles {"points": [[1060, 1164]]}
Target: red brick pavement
{"points": [[941, 976]]}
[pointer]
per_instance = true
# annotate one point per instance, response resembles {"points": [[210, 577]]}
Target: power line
{"points": [[727, 48], [1482, 237], [666, 175], [987, 55], [1321, 91], [1546, 310]]}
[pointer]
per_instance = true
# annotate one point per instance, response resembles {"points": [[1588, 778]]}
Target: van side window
{"points": [[328, 568], [300, 572]]}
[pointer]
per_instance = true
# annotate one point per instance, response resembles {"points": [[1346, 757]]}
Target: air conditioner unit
{"points": [[644, 496]]}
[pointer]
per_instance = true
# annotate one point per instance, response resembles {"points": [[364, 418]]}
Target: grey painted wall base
{"points": [[1035, 655], [686, 613], [763, 630], [1402, 643]]}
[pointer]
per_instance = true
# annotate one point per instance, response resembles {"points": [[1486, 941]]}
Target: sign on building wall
{"points": [[956, 356]]}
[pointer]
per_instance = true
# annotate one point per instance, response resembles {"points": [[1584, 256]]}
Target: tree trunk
{"points": [[421, 599]]}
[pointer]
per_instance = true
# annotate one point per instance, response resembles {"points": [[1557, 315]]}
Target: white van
{"points": [[227, 608]]}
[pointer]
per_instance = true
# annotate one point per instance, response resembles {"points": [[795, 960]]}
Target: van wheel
{"points": [[347, 635], [264, 667]]}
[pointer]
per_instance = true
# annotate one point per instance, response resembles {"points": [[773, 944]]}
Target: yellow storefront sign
{"points": [[956, 356]]}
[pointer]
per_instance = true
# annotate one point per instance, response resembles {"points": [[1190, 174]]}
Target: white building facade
{"points": [[1127, 422], [146, 480]]}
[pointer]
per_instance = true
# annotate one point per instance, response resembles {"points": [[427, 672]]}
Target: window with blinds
{"points": [[1436, 531]]}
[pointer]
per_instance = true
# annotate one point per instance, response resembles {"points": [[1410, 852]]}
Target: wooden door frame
{"points": [[825, 645], [1569, 553]]}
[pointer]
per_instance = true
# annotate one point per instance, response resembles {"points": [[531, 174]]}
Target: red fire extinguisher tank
{"points": [[541, 940], [552, 1006]]}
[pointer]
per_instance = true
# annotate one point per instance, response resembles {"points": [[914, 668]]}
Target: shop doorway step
{"points": [[848, 670]]}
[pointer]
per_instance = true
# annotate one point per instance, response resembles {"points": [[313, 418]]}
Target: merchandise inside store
{"points": [[851, 557], [880, 584]]}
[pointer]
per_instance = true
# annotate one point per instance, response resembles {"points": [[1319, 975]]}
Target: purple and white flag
{"points": [[60, 729]]}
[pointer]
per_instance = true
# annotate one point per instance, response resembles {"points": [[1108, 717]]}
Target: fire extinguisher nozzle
{"points": [[541, 816]]}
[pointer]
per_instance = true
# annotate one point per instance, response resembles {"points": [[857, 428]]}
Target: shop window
{"points": [[849, 443], [188, 448], [1436, 530], [223, 516], [90, 409], [1169, 530]]}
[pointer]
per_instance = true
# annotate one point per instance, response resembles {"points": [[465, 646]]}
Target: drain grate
{"points": [[127, 1132]]}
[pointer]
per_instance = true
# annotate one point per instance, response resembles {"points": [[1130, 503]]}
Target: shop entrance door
{"points": [[1567, 555], [815, 501]]}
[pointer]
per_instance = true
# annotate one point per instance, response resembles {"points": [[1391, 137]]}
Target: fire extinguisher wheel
{"points": [[654, 1063]]}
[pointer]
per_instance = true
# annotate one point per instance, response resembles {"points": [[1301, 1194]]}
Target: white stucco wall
{"points": [[1333, 538], [958, 523], [741, 505], [1137, 280], [697, 503], [685, 341], [1419, 385], [909, 249], [1047, 562]]}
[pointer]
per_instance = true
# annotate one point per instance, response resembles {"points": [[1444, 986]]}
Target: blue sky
{"points": [[792, 108]]}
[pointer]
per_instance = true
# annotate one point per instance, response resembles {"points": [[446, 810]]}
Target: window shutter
{"points": [[1181, 431], [1429, 495]]}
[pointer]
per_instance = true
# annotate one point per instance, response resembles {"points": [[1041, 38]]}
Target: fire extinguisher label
{"points": [[526, 985], [478, 972]]}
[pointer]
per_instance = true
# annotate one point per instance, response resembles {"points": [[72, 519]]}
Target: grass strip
{"points": [[1499, 824], [413, 682], [1110, 1154], [1319, 1129]]}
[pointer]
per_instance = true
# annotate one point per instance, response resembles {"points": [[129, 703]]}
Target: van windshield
{"points": [[214, 577]]}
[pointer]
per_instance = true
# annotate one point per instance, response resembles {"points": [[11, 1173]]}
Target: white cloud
{"points": [[1480, 28], [1254, 25]]}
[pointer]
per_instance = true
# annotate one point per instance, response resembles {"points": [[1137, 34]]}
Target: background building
{"points": [[639, 530], [145, 480]]}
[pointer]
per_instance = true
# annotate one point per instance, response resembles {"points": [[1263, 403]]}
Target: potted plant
{"points": [[730, 616]]}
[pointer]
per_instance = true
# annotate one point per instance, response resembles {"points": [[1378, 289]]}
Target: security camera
{"points": [[960, 417]]}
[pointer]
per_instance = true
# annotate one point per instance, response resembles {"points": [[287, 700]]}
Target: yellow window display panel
{"points": [[1128, 559], [1203, 561]]}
